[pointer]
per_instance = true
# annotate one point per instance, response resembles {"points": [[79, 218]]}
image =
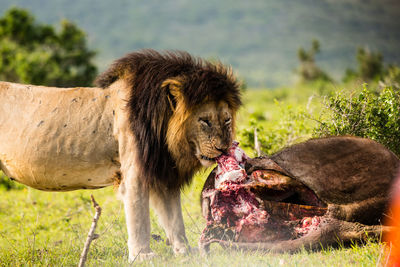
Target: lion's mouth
{"points": [[207, 158], [206, 161]]}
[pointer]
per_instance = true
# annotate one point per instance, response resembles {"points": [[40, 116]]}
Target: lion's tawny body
{"points": [[76, 151]]}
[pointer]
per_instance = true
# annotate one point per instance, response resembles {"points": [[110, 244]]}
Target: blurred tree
{"points": [[308, 70], [370, 66], [37, 54], [392, 76]]}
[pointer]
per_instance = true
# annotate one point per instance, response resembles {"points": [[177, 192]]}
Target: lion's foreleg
{"points": [[167, 206], [136, 204]]}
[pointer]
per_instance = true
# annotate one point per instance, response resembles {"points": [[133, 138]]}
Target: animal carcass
{"points": [[308, 195]]}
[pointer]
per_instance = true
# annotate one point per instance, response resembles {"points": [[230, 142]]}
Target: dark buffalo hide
{"points": [[312, 194]]}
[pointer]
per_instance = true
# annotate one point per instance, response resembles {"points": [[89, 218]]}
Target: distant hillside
{"points": [[258, 38]]}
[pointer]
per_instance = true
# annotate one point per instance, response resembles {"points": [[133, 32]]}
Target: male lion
{"points": [[155, 120]]}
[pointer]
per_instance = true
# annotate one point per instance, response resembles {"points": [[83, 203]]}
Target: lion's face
{"points": [[209, 131], [199, 131]]}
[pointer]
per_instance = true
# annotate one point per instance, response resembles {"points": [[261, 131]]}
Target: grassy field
{"points": [[49, 229]]}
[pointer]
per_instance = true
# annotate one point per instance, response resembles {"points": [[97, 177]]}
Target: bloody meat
{"points": [[251, 207]]}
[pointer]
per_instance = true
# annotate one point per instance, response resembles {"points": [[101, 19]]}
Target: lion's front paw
{"points": [[142, 256], [181, 249]]}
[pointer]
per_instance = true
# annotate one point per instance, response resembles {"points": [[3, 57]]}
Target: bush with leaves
{"points": [[35, 53], [370, 114], [293, 127]]}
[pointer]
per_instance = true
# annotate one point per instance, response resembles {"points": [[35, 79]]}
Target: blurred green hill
{"points": [[258, 38]]}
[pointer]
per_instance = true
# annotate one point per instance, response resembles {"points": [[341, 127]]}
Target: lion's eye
{"points": [[205, 122]]}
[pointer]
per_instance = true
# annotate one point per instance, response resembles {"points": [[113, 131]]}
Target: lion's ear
{"points": [[174, 91]]}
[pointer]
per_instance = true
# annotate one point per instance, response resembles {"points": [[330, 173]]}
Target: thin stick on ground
{"points": [[91, 235], [257, 143]]}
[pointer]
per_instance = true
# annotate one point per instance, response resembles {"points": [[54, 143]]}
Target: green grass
{"points": [[49, 229]]}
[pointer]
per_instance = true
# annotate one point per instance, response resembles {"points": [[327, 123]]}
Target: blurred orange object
{"points": [[392, 238]]}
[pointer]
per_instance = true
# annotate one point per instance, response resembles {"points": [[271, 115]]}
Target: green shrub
{"points": [[370, 114], [291, 127]]}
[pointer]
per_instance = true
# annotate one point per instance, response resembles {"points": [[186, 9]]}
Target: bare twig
{"points": [[33, 246], [308, 107], [388, 255], [91, 235], [194, 222], [134, 259], [113, 223], [256, 143]]}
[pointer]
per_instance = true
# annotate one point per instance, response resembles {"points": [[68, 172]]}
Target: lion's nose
{"points": [[221, 143], [222, 147]]}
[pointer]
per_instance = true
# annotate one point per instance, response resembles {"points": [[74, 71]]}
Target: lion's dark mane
{"points": [[150, 110]]}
